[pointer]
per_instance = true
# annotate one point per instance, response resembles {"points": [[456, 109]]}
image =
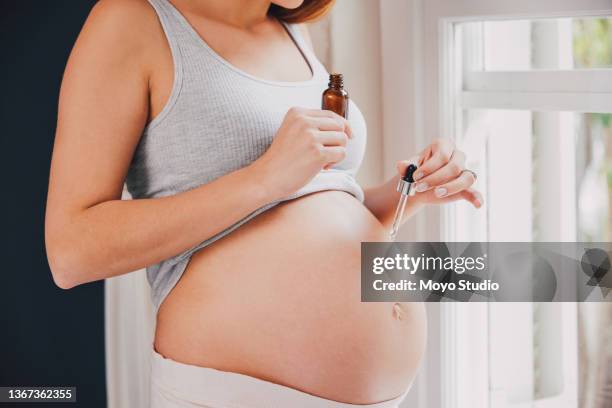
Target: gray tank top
{"points": [[219, 119]]}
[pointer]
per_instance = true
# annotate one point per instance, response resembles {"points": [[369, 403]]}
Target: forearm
{"points": [[382, 201], [119, 236]]}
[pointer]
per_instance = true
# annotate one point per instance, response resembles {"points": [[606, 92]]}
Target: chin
{"points": [[289, 4]]}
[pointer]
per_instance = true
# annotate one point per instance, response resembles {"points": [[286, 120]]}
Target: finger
{"points": [[424, 155], [471, 195], [322, 113], [333, 154], [331, 138], [325, 123], [438, 156], [431, 164], [402, 165], [333, 115], [463, 182], [444, 174]]}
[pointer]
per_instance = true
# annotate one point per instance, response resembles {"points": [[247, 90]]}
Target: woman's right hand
{"points": [[307, 141]]}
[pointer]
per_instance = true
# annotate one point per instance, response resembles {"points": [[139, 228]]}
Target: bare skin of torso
{"points": [[279, 298]]}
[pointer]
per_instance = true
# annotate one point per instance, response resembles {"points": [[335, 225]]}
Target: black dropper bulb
{"points": [[409, 175]]}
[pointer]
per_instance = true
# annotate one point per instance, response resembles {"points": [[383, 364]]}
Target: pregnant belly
{"points": [[279, 299]]}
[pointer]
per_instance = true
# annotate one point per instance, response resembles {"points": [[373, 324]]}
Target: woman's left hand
{"points": [[441, 176]]}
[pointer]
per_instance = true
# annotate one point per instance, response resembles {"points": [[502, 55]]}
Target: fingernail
{"points": [[422, 187], [417, 175], [441, 192], [477, 203]]}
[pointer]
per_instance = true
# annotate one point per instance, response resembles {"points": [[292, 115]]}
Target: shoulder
{"points": [[129, 25], [122, 14], [127, 30], [122, 11]]}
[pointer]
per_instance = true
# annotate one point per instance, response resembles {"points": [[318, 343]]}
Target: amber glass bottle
{"points": [[335, 97]]}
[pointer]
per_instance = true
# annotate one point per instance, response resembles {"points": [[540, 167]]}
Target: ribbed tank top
{"points": [[218, 119]]}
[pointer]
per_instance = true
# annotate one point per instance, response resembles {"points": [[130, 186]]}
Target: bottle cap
{"points": [[409, 175], [336, 80]]}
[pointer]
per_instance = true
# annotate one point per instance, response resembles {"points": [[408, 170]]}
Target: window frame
{"points": [[540, 90], [465, 88], [414, 60]]}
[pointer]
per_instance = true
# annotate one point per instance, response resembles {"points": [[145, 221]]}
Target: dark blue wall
{"points": [[47, 336]]}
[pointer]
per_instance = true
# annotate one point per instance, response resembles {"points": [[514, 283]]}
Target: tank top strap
{"points": [[174, 26], [319, 71], [295, 33]]}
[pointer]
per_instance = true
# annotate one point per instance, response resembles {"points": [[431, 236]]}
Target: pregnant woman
{"points": [[246, 212]]}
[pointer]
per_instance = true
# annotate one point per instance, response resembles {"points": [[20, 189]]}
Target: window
{"points": [[530, 101]]}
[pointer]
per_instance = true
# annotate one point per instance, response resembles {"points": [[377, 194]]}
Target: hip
{"points": [[176, 385]]}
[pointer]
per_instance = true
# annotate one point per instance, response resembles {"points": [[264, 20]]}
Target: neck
{"points": [[238, 13]]}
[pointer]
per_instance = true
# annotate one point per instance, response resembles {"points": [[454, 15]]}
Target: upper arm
{"points": [[103, 108]]}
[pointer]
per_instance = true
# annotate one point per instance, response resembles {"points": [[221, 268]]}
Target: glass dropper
{"points": [[404, 187]]}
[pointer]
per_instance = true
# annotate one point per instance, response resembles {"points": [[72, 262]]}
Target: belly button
{"points": [[398, 312]]}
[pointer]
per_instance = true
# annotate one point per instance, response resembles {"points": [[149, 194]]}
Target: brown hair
{"points": [[309, 10]]}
